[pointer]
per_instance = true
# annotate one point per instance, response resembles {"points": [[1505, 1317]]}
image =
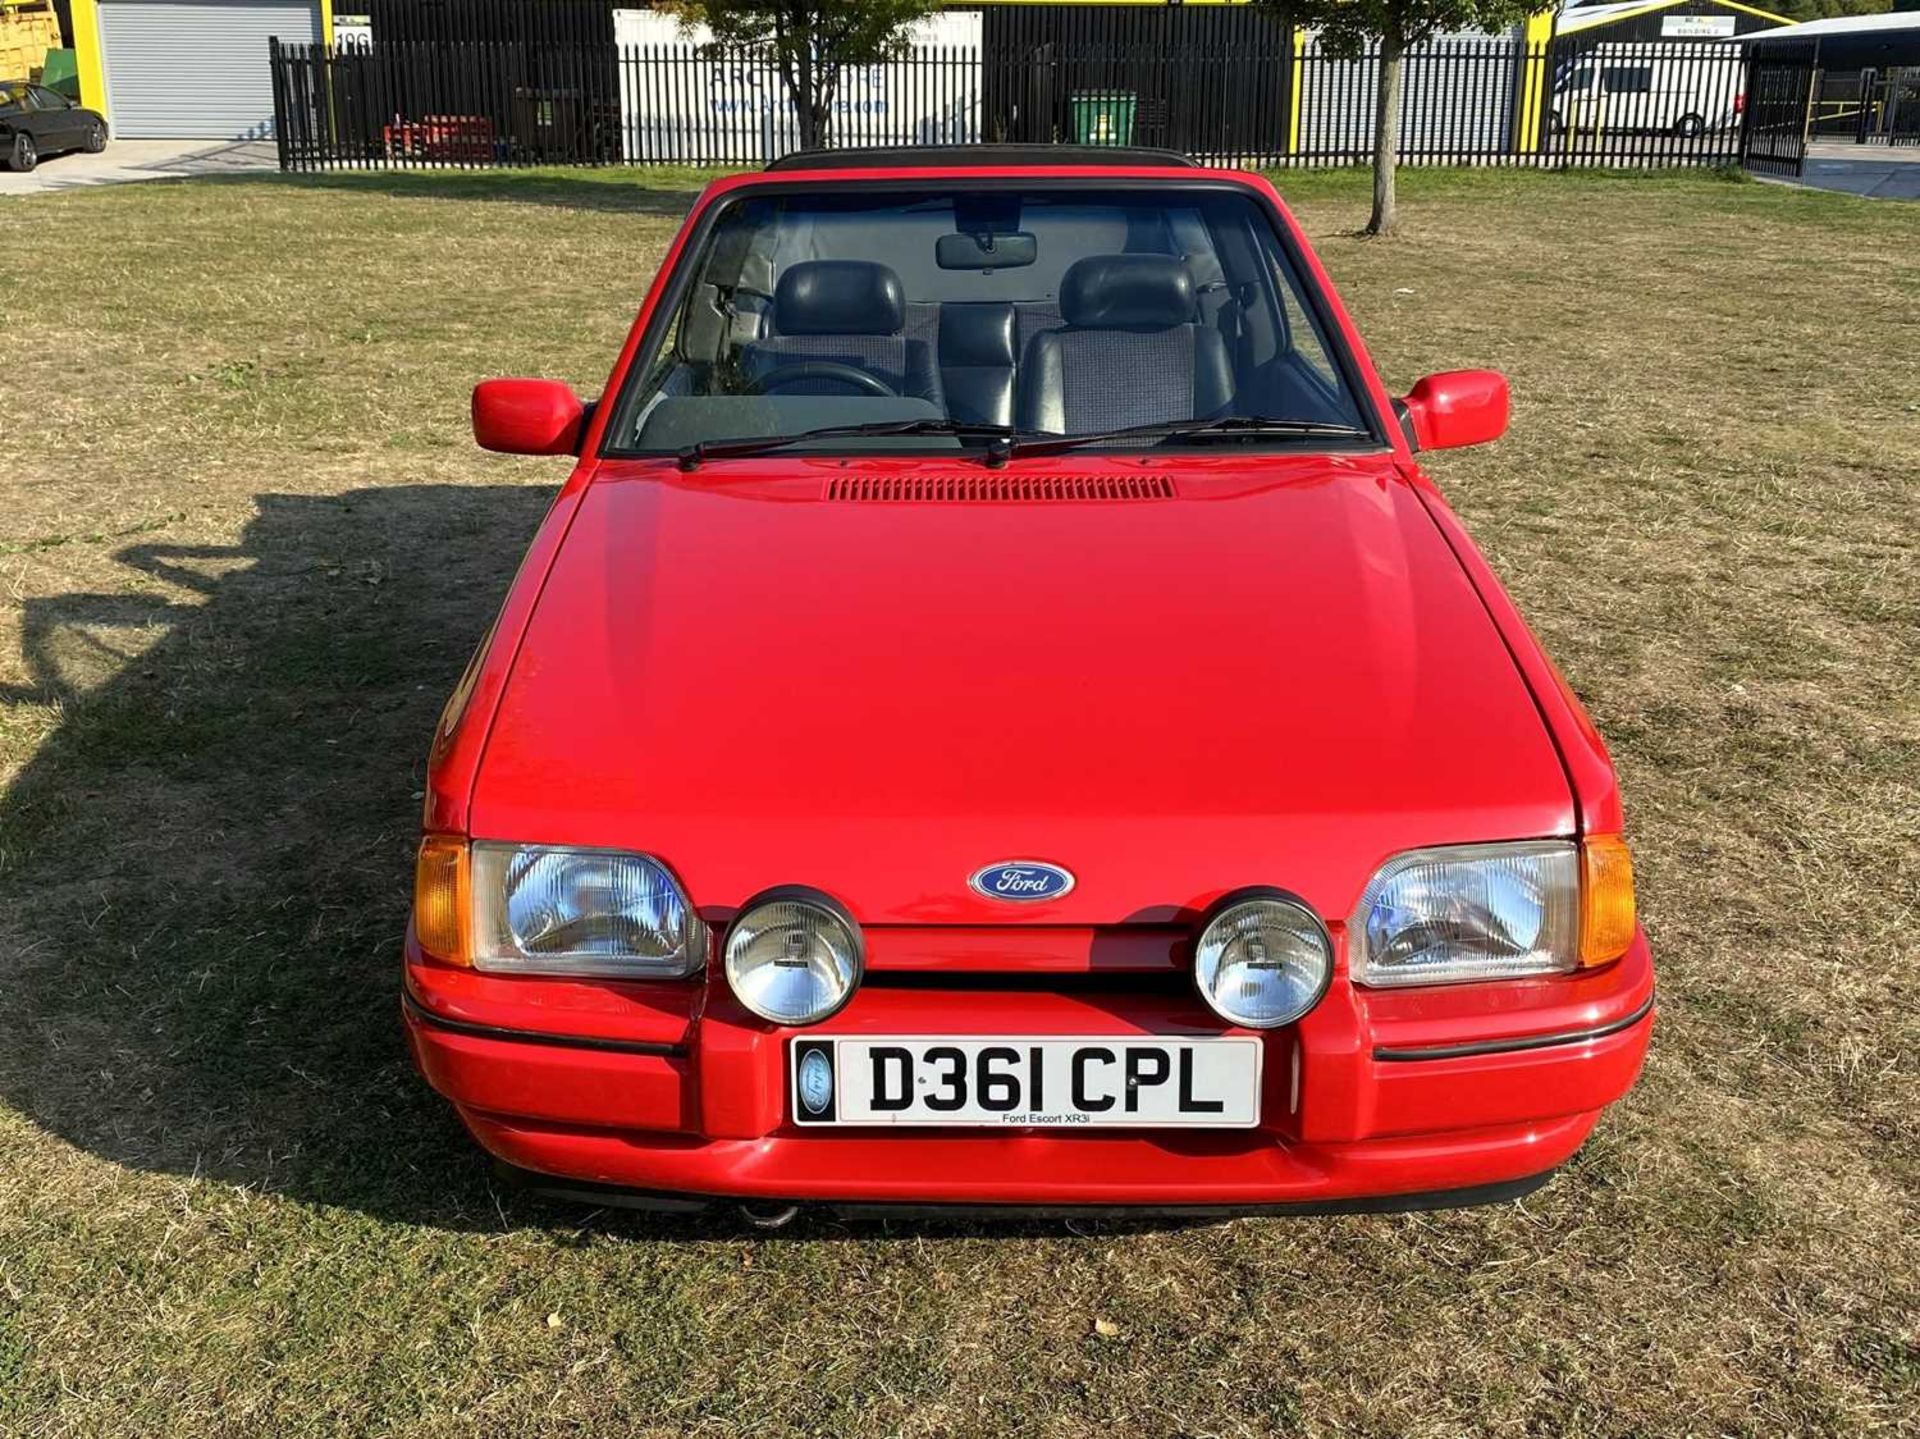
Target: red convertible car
{"points": [[997, 717]]}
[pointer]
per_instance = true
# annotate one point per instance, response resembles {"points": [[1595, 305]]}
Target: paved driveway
{"points": [[127, 160], [1880, 171]]}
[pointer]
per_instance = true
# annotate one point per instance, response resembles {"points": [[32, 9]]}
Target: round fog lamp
{"points": [[794, 957], [1263, 960]]}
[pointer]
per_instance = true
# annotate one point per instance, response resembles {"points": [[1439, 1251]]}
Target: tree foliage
{"points": [[1347, 26], [812, 42]]}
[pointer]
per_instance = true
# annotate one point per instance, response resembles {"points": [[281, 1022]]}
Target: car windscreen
{"points": [[1030, 309]]}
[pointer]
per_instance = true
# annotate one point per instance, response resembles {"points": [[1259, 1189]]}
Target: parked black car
{"points": [[35, 121]]}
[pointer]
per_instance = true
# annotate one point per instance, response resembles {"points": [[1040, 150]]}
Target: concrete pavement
{"points": [[128, 160], [1881, 172]]}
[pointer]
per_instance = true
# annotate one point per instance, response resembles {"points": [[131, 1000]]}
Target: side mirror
{"points": [[1455, 408], [528, 417]]}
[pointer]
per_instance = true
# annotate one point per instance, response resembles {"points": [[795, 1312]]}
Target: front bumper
{"points": [[1448, 1094]]}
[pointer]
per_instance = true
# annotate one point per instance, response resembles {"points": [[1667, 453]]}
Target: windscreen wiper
{"points": [[1234, 426], [1002, 436]]}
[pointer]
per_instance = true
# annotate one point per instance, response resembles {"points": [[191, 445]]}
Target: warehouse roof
{"points": [[1851, 42], [1575, 18], [1846, 25]]}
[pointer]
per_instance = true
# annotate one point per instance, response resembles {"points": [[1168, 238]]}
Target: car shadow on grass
{"points": [[205, 869], [613, 190]]}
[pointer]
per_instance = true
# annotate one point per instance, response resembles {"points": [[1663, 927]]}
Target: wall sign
{"points": [[1696, 27]]}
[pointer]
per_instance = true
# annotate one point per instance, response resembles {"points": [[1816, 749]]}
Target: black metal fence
{"points": [[1205, 99], [471, 104], [1460, 103], [681, 106], [1265, 100], [1206, 78], [1646, 102], [1845, 105], [1901, 91], [1870, 107]]}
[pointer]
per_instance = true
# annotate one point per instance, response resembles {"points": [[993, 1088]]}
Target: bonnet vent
{"points": [[996, 489]]}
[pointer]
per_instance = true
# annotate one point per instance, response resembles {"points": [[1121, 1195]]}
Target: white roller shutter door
{"points": [[192, 69]]}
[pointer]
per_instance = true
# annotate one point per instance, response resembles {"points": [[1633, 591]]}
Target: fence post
{"points": [[1814, 72], [1295, 76], [484, 103], [279, 100], [1536, 45]]}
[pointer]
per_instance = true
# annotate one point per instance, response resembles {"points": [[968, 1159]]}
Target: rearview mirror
{"points": [[985, 251], [1455, 408], [528, 417]]}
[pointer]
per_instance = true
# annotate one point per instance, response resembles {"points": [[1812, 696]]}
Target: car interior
{"points": [[1063, 312]]}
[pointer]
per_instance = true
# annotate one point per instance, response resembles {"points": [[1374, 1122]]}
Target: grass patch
{"points": [[246, 546]]}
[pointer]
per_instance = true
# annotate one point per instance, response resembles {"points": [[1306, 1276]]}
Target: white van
{"points": [[1614, 88]]}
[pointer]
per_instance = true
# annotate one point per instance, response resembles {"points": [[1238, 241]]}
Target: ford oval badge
{"points": [[1022, 881]]}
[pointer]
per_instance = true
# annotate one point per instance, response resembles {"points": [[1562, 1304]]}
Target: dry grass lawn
{"points": [[246, 545]]}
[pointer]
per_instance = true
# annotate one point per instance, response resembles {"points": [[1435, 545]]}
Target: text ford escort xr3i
{"points": [[998, 717]]}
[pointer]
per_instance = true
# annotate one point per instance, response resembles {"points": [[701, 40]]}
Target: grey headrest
{"points": [[1127, 292], [839, 297]]}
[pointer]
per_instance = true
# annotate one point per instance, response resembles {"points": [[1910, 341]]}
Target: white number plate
{"points": [[1137, 1081]]}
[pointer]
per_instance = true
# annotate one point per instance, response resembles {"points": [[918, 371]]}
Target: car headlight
{"points": [[1487, 911], [549, 909], [794, 956], [1263, 960]]}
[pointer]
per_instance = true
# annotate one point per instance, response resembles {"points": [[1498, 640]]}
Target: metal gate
{"points": [[1902, 98], [1773, 127]]}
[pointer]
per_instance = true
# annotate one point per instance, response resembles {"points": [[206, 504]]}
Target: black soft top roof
{"points": [[915, 157]]}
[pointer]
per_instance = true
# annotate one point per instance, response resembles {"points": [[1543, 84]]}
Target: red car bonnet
{"points": [[1281, 675]]}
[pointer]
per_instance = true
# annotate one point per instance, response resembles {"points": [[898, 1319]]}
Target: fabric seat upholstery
{"points": [[1131, 352], [849, 312]]}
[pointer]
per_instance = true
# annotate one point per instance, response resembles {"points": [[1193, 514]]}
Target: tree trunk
{"points": [[1386, 130], [812, 125], [826, 82], [793, 46], [800, 87]]}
